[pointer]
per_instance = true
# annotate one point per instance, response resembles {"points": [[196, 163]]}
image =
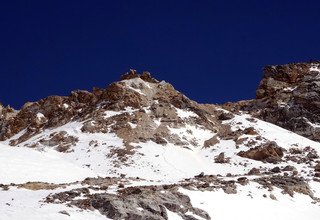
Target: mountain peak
{"points": [[132, 74], [138, 92]]}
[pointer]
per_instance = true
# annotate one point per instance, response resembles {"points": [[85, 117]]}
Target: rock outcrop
{"points": [[288, 96], [269, 152], [128, 108]]}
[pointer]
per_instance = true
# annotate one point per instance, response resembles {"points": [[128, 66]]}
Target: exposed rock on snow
{"points": [[139, 149], [288, 96], [269, 152]]}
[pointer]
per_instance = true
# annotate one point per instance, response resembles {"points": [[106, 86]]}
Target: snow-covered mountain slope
{"points": [[140, 149], [93, 155], [17, 204], [20, 165]]}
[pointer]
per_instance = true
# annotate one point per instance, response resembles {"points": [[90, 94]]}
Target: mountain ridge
{"points": [[148, 151]]}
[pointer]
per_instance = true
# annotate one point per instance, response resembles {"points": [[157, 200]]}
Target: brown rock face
{"points": [[270, 152], [130, 75], [145, 76], [50, 112], [55, 111], [136, 102], [288, 96]]}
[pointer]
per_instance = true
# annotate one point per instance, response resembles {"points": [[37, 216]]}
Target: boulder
{"points": [[269, 152]]}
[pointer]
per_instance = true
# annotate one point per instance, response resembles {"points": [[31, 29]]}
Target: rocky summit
{"points": [[139, 149]]}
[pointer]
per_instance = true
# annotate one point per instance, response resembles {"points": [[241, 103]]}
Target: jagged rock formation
{"points": [[288, 96], [134, 91]]}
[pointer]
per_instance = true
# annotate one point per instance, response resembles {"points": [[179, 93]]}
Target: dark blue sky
{"points": [[213, 51]]}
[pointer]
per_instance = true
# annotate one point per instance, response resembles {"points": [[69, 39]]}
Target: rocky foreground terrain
{"points": [[139, 149]]}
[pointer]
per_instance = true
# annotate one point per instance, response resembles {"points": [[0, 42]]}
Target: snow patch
{"points": [[137, 85], [194, 134], [132, 125], [315, 68], [194, 215], [40, 116], [109, 114], [289, 89], [312, 124], [271, 132], [185, 114], [173, 216]]}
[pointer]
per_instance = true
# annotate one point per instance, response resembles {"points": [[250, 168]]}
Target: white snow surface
{"points": [[290, 89], [40, 116], [185, 114], [109, 113], [173, 215], [90, 160], [271, 132], [17, 204], [20, 165], [249, 204]]}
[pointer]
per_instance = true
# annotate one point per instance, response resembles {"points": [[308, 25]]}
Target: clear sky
{"points": [[212, 51]]}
